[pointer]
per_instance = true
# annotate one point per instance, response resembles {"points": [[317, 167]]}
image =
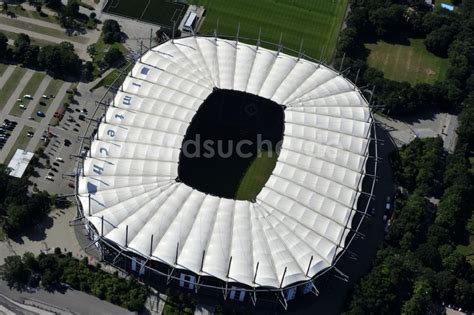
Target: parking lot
{"points": [[41, 120], [57, 164]]}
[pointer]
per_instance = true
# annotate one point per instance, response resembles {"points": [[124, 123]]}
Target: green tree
{"points": [[17, 217], [113, 56], [53, 4], [3, 45], [15, 272], [71, 9], [21, 46], [463, 292], [92, 50], [111, 32], [60, 60], [439, 40], [30, 58], [30, 261], [420, 300]]}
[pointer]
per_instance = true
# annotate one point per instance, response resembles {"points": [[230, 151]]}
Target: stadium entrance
{"points": [[229, 133]]}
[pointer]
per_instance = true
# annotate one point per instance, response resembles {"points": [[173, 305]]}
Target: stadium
{"points": [[175, 220]]}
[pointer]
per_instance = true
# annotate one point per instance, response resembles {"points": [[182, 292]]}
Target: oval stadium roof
{"points": [[301, 214]]}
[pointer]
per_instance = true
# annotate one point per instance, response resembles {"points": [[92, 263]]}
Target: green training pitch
{"points": [[317, 22], [411, 63], [256, 176], [161, 12]]}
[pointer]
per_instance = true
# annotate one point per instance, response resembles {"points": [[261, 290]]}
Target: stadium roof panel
{"points": [[299, 220]]}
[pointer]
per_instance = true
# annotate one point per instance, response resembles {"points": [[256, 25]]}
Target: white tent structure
{"points": [[300, 220]]}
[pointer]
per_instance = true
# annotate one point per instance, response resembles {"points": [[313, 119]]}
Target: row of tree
{"points": [[418, 269], [20, 210], [58, 60], [52, 271], [446, 33], [61, 61]]}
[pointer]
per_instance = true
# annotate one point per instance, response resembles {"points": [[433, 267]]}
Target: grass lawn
{"points": [[256, 176], [111, 77], [101, 49], [3, 68], [34, 41], [30, 89], [32, 14], [42, 30], [11, 85], [21, 143], [468, 250], [3, 236], [411, 63], [318, 22]]}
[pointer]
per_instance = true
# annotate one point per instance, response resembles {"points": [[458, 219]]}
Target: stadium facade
{"points": [[144, 220]]}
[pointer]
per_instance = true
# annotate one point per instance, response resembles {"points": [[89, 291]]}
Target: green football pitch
{"points": [[256, 176], [317, 22], [161, 12]]}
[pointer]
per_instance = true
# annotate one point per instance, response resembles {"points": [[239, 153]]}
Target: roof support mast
{"points": [[300, 54], [342, 63], [280, 45], [216, 31], [237, 35], [259, 40], [227, 278]]}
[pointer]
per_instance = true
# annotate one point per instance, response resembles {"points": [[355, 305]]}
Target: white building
{"points": [[302, 219]]}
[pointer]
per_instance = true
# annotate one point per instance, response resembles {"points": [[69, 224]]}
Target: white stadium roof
{"points": [[302, 215]]}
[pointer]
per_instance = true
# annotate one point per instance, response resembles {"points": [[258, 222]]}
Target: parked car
{"points": [[28, 96], [40, 114], [388, 204], [22, 106]]}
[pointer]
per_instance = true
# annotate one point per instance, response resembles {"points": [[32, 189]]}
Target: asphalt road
{"points": [[71, 301]]}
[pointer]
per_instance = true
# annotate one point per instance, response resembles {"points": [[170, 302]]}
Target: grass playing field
{"points": [[162, 12], [411, 63], [256, 176], [318, 22]]}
